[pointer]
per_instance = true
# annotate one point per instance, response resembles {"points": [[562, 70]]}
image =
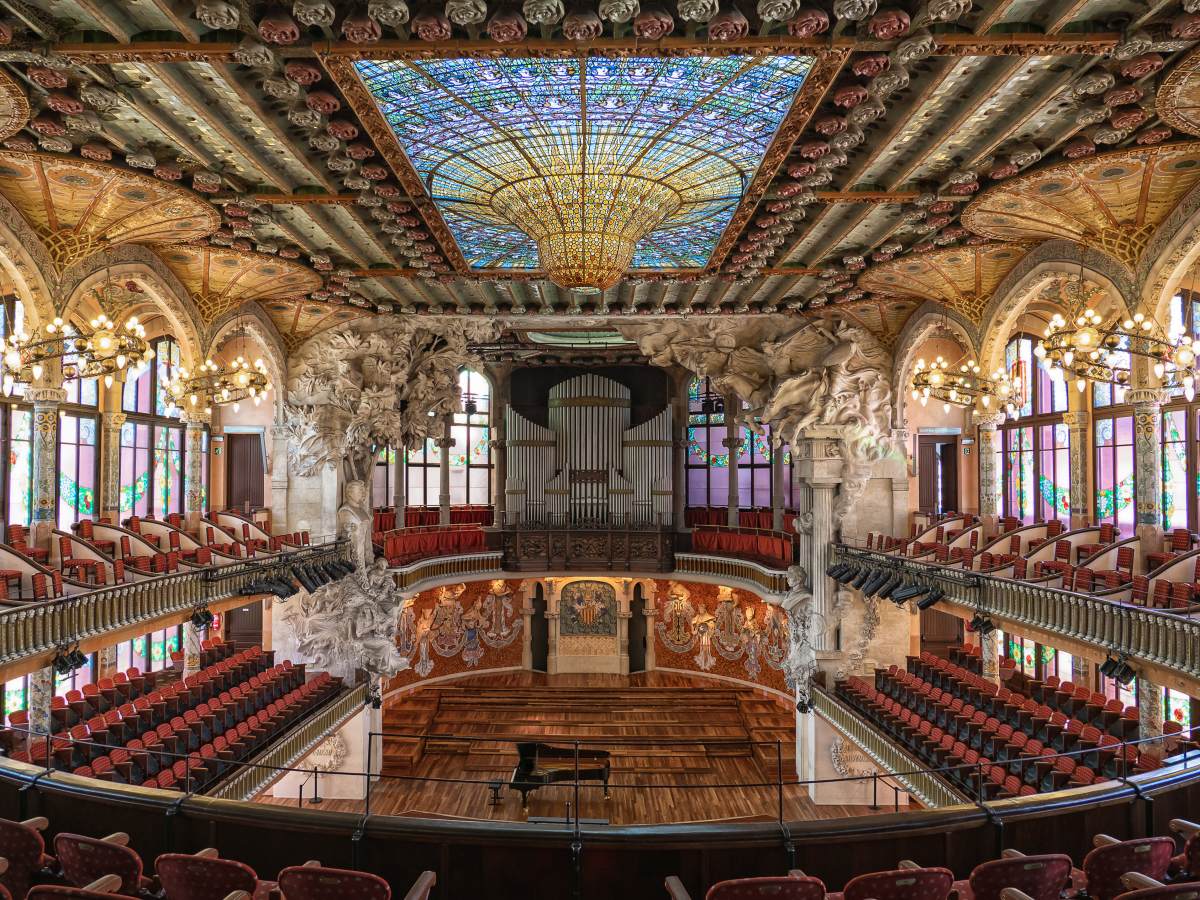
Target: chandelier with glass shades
{"points": [[964, 386], [1085, 349], [212, 385], [100, 352]]}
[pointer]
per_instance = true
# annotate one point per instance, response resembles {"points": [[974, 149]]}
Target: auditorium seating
{"points": [[768, 547], [85, 866], [403, 547]]}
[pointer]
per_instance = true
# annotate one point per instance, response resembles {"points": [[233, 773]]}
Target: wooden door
{"points": [[927, 473], [244, 625], [948, 454], [539, 632], [244, 471], [637, 631]]}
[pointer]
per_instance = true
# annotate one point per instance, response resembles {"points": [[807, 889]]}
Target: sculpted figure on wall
{"points": [[804, 622], [350, 624], [354, 523], [370, 384]]}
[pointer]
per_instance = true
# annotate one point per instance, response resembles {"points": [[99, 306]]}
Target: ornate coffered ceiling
{"points": [[251, 115]]}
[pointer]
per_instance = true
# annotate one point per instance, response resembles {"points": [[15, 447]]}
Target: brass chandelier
{"points": [[1085, 349], [965, 386], [214, 385], [99, 353]]}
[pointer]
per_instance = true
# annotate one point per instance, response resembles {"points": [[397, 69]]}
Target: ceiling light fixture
{"points": [[964, 386]]}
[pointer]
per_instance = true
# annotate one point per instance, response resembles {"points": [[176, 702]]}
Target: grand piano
{"points": [[542, 764]]}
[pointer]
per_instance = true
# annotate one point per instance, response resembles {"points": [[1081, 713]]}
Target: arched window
{"points": [[78, 446], [383, 480], [152, 444], [1035, 450], [1181, 429], [16, 430], [470, 457], [707, 463]]}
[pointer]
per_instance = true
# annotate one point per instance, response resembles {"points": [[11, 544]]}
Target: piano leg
{"points": [[606, 794], [525, 801]]}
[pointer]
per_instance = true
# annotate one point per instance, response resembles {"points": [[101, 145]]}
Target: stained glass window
{"points": [[383, 478], [1018, 472], [1177, 707], [168, 471], [77, 461], [699, 124], [1175, 494], [1054, 472], [81, 391], [471, 455], [1064, 666], [1108, 394], [20, 468], [16, 694], [1114, 471], [421, 467], [708, 459], [135, 469], [1034, 463], [75, 680]]}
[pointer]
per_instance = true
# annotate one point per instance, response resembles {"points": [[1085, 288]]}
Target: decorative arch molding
{"points": [[1050, 261], [251, 319], [1173, 250], [25, 260], [165, 294], [927, 318]]}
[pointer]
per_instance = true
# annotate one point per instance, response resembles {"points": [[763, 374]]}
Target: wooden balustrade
{"points": [[33, 628]]}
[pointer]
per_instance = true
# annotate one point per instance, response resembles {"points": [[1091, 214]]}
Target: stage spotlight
{"points": [[931, 598], [863, 578], [908, 593], [804, 706], [1108, 667], [981, 624]]}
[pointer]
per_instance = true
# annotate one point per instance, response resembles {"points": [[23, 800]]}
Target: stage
{"points": [[683, 749]]}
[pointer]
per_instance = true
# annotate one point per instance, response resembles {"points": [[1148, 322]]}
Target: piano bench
{"points": [[495, 787]]}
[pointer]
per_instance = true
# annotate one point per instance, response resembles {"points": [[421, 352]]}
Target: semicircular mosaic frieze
{"points": [[1178, 100], [1113, 201], [81, 207], [220, 280], [14, 107], [963, 278]]}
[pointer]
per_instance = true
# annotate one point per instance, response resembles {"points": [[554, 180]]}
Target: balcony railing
{"points": [[1152, 636], [40, 627], [933, 791]]}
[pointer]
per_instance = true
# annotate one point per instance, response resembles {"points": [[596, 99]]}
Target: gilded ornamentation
{"points": [[1178, 99], [14, 107], [1111, 200]]}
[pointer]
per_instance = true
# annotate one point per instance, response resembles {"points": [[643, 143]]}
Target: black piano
{"points": [[542, 764]]}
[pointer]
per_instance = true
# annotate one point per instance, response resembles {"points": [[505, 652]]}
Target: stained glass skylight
{"points": [[685, 135]]}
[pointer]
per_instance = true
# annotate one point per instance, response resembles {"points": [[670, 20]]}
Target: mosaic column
{"points": [[193, 454], [989, 481], [733, 445], [41, 692], [1078, 423], [499, 447], [107, 661], [45, 459], [191, 649], [110, 465], [1081, 670], [445, 443], [1147, 463], [1150, 714]]}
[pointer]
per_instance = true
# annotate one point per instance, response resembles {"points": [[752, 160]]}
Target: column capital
{"points": [[197, 418], [732, 443], [113, 420], [1146, 396], [445, 443], [45, 396], [989, 421], [1077, 419]]}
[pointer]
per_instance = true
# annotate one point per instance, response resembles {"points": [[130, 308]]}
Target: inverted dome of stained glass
{"points": [[586, 167]]}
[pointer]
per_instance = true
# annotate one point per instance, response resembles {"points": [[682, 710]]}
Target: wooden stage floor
{"points": [[711, 777]]}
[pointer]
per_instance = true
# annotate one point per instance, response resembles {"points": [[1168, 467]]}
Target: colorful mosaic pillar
{"points": [[191, 649], [41, 692], [110, 466], [1078, 424], [1150, 714], [193, 495], [989, 654], [1147, 463], [45, 459], [107, 661], [733, 446], [445, 444], [989, 481]]}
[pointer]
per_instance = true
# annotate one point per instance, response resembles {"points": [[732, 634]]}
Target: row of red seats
{"points": [[1113, 870], [772, 548], [152, 710], [403, 547], [471, 514], [191, 752], [1026, 712], [93, 868], [761, 517]]}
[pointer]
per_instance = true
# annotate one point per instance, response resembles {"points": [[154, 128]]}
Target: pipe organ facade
{"points": [[589, 467]]}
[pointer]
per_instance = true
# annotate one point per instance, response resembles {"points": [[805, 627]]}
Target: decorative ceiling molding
{"points": [[1113, 201], [963, 278], [14, 106], [1177, 101], [80, 207]]}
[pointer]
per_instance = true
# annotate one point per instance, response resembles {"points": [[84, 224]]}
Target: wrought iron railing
{"points": [[33, 628], [1153, 636]]}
